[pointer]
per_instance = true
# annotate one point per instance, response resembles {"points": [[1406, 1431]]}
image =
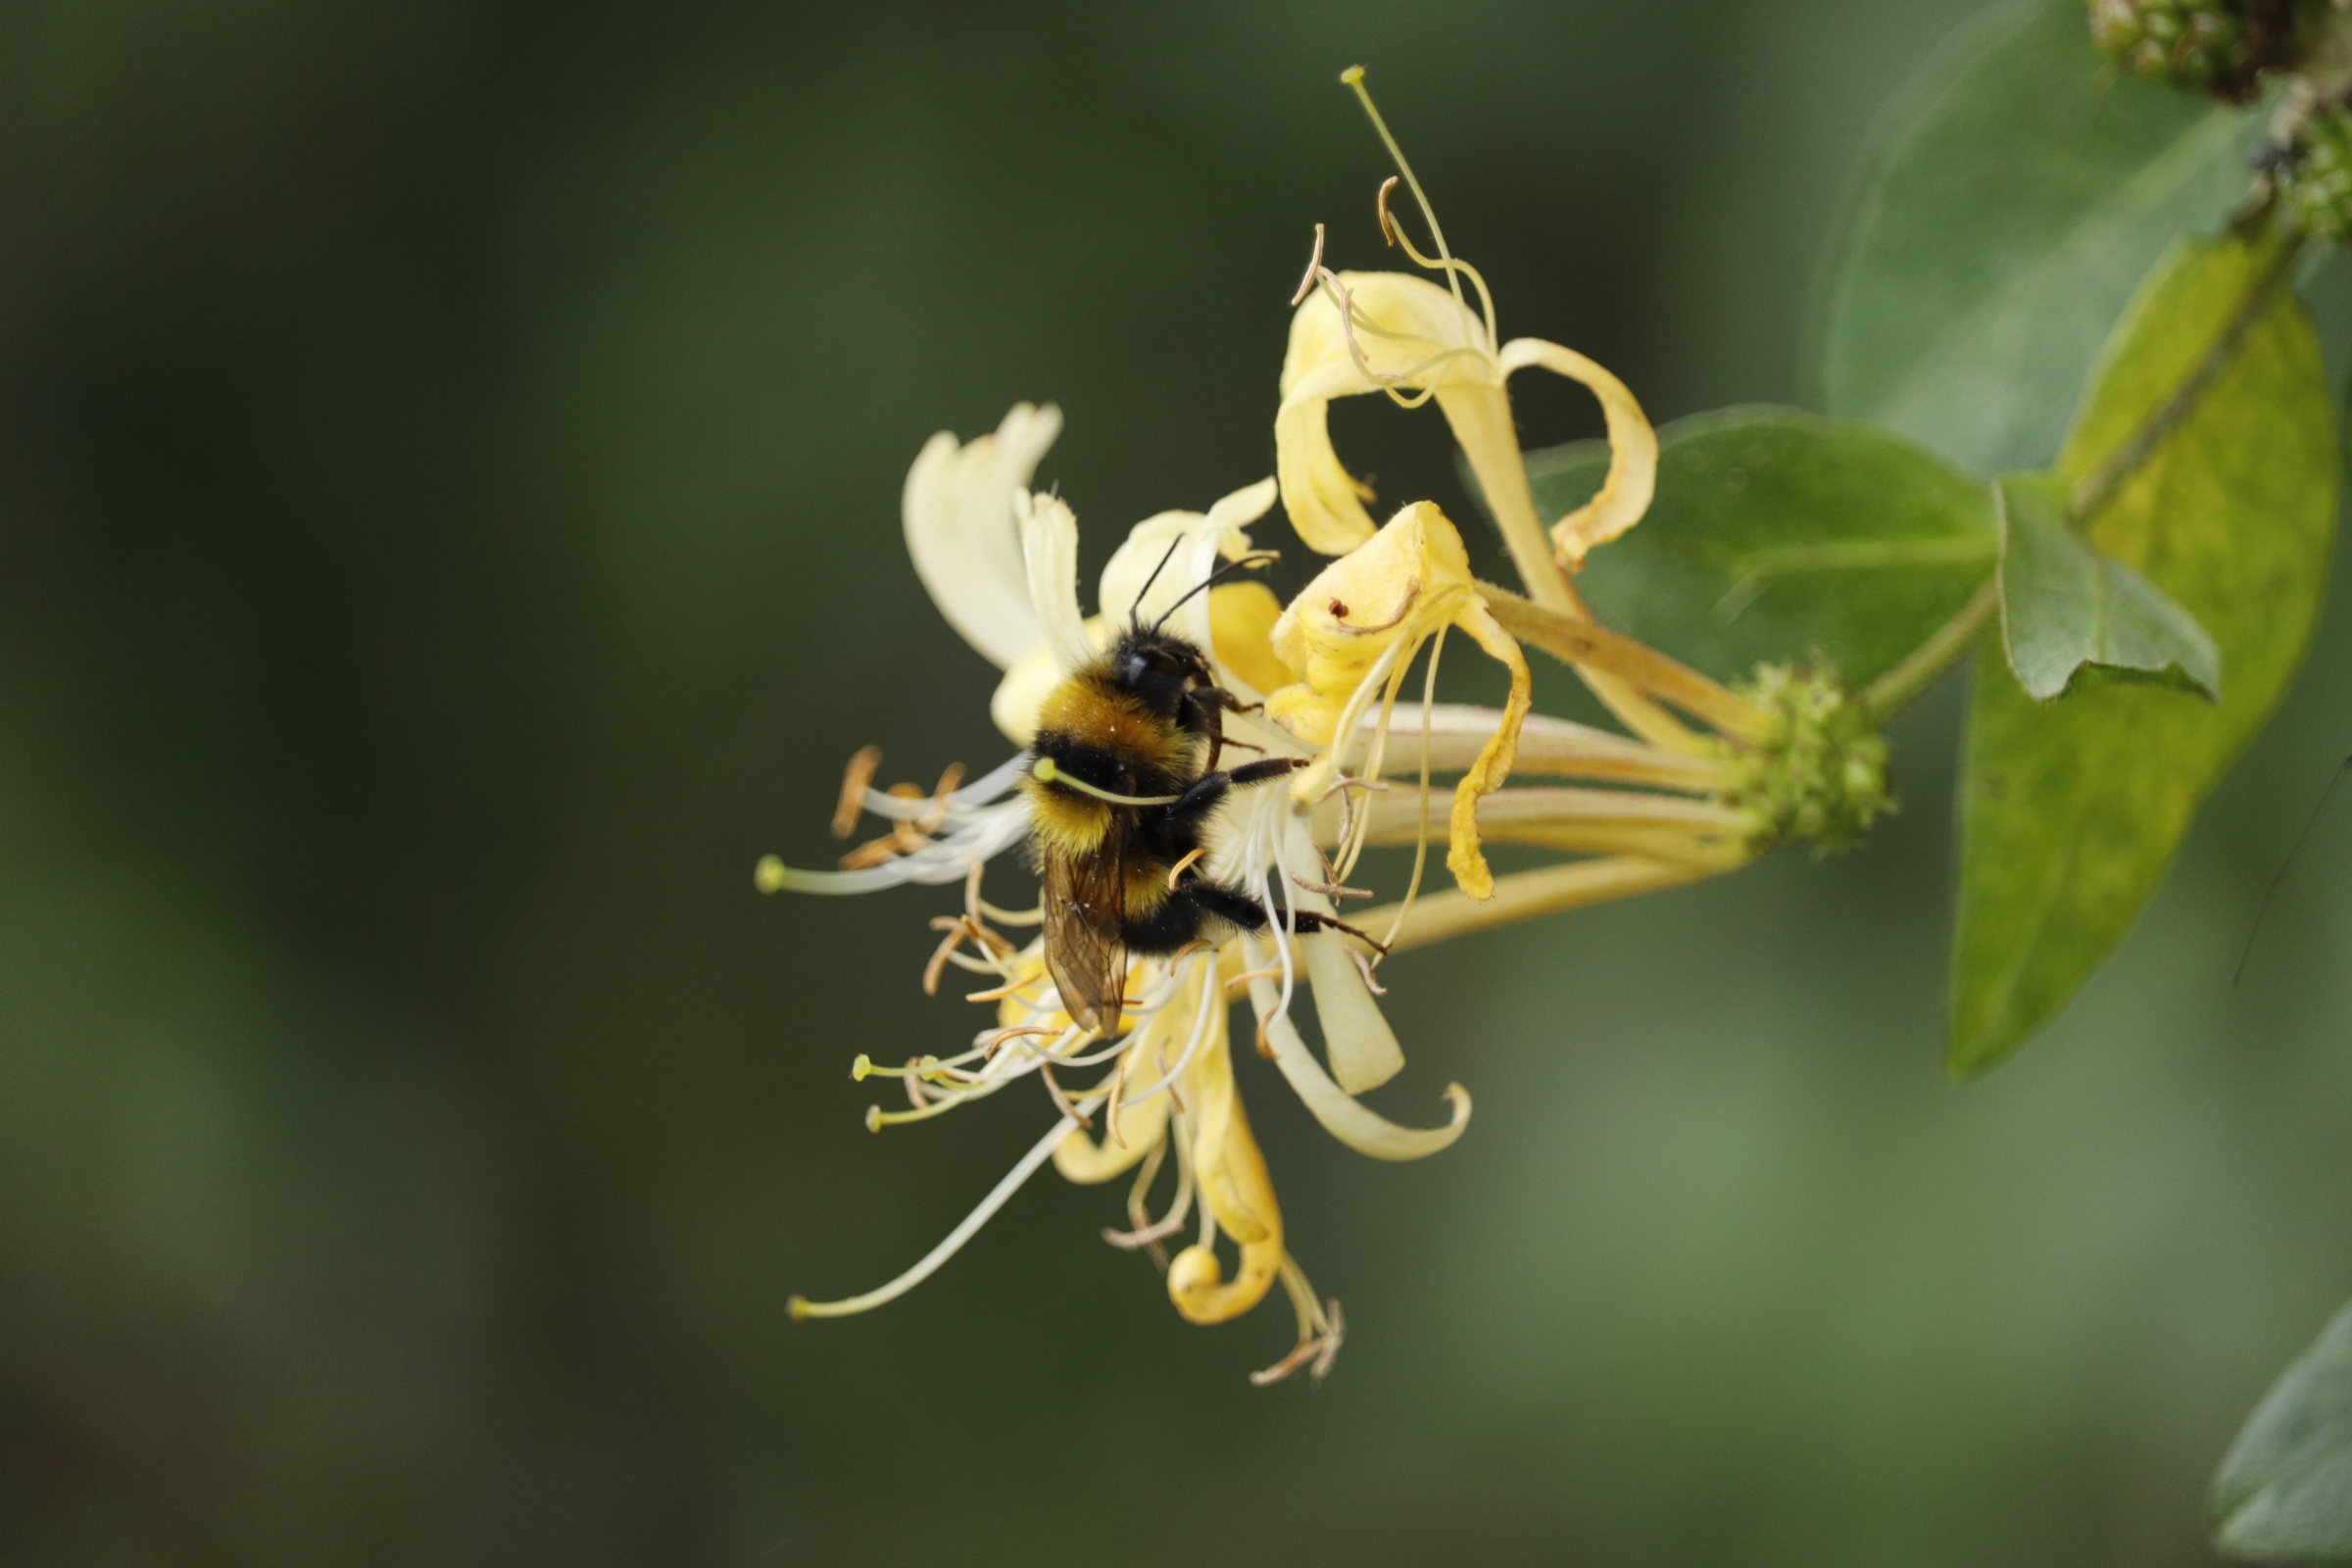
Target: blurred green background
{"points": [[449, 465]]}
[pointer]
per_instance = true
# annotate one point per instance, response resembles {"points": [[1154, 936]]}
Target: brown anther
{"points": [[1365, 966], [1246, 976], [1315, 1354], [1000, 993], [1345, 782], [1388, 224], [1314, 270], [1144, 1234], [939, 957], [853, 780], [905, 835], [928, 824], [1265, 1047], [1062, 1101], [988, 1040], [972, 890], [873, 851], [1110, 1107], [1333, 890], [1183, 865]]}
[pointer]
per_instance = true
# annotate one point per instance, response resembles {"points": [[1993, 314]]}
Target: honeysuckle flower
{"points": [[1001, 562], [1319, 680]]}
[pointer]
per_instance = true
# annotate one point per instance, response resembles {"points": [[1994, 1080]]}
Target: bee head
{"points": [[1158, 669]]}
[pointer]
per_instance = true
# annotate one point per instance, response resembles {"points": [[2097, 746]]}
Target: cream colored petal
{"points": [[1023, 691], [1362, 1048], [1049, 550], [1633, 450], [956, 510], [1351, 1122]]}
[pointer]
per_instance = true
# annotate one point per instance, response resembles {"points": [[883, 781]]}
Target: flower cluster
{"points": [[1319, 680]]}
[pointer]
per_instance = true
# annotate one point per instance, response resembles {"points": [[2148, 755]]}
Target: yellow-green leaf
{"points": [[2071, 812]]}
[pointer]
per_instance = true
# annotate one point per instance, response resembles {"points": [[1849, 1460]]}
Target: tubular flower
{"points": [[1316, 682]]}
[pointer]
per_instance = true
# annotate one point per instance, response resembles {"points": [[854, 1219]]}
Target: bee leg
{"points": [[1209, 704], [1236, 908], [1205, 796], [1307, 921]]}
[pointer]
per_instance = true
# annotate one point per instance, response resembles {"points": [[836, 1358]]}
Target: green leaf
{"points": [[1780, 535], [2071, 812], [2066, 607], [2013, 202], [2284, 1492]]}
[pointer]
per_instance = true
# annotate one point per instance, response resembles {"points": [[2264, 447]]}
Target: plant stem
{"points": [[1893, 691]]}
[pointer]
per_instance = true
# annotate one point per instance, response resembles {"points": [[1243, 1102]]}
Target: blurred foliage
{"points": [[448, 472]]}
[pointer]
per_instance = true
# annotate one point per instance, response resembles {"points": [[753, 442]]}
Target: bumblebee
{"points": [[1122, 785]]}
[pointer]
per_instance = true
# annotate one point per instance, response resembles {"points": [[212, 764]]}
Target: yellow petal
{"points": [[1234, 1187], [1633, 450], [1494, 762], [1409, 335], [1349, 635], [1242, 618]]}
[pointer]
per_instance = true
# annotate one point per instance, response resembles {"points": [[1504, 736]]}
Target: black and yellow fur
{"points": [[1145, 719]]}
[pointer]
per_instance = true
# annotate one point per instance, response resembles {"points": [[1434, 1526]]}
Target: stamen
{"points": [[939, 956], [1321, 1328], [853, 780], [1138, 1215], [1353, 76], [1180, 867], [911, 1076], [904, 836], [1332, 890], [1035, 916], [1314, 270], [1061, 1101], [1044, 771], [1003, 991], [942, 796], [874, 852], [1026, 1167]]}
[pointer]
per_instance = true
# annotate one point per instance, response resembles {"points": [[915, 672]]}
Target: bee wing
{"points": [[1085, 900]]}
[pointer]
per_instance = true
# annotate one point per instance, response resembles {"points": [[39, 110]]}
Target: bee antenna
{"points": [[1135, 611], [1255, 558]]}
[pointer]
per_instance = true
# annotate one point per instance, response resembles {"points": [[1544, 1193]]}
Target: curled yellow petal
{"points": [[1494, 762], [1633, 450], [1234, 1186], [1351, 1122]]}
